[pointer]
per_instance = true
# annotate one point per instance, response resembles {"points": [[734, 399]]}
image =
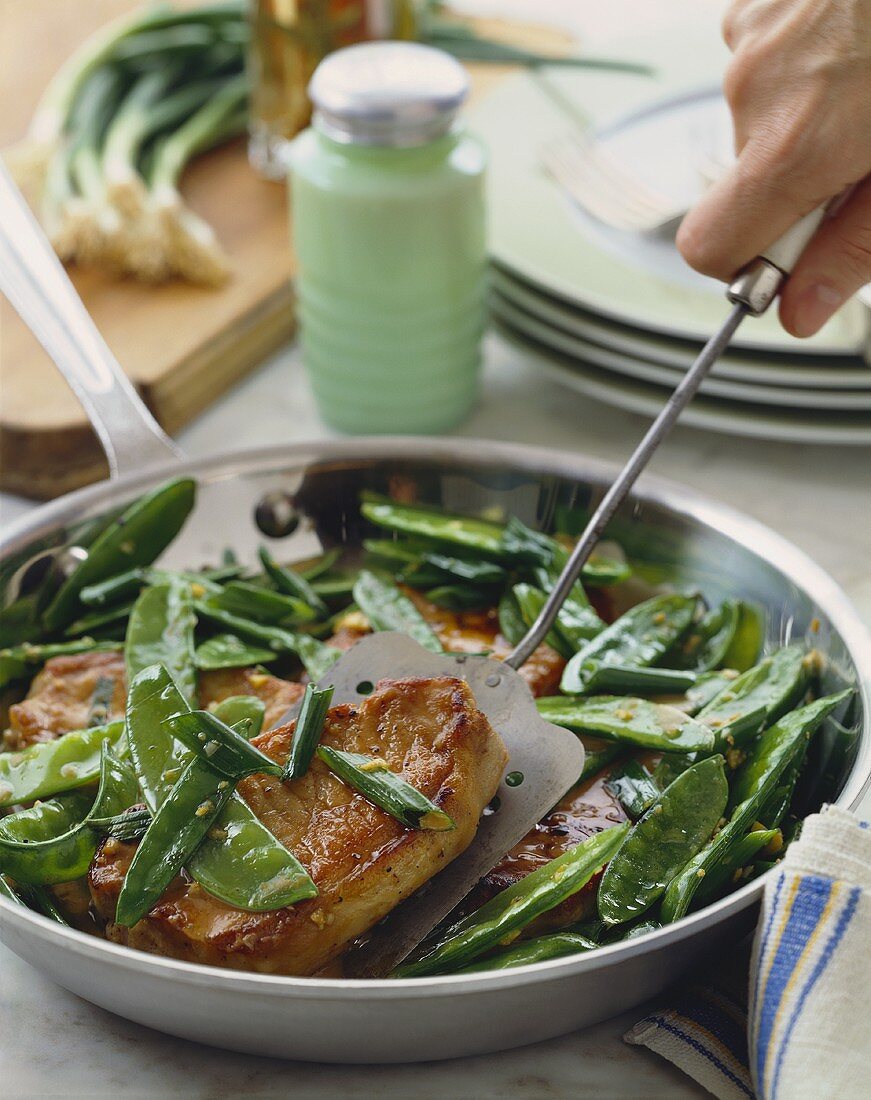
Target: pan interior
{"points": [[670, 537]]}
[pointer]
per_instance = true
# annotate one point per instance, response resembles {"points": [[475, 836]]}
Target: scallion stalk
{"points": [[374, 780], [309, 727]]}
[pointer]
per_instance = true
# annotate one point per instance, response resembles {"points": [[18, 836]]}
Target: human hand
{"points": [[799, 88]]}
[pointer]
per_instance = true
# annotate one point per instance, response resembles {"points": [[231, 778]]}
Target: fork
{"points": [[601, 186]]}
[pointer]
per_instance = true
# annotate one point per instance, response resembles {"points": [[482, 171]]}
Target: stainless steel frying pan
{"points": [[671, 535]]}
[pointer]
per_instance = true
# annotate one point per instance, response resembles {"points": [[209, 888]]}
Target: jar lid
{"points": [[387, 93]]}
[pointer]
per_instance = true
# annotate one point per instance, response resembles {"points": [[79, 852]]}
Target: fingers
{"points": [[745, 212], [834, 266]]}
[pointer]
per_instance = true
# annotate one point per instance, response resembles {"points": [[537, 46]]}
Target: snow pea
{"points": [[229, 651], [629, 720], [631, 680], [672, 831], [599, 754], [554, 945], [530, 600], [633, 931], [455, 597], [746, 644], [240, 861], [510, 544], [578, 620], [40, 900], [782, 742], [126, 586], [104, 621], [307, 732], [176, 830], [161, 630], [742, 853], [52, 842], [334, 586], [223, 748], [291, 583], [504, 916], [642, 637], [313, 569], [52, 767], [245, 711], [387, 608], [373, 779], [511, 624], [136, 538], [771, 758], [447, 569], [634, 788], [317, 658], [707, 687], [775, 685], [708, 641], [129, 825], [599, 571], [20, 661], [261, 604], [477, 535]]}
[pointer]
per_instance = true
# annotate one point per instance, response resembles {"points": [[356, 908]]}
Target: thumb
{"points": [[835, 264]]}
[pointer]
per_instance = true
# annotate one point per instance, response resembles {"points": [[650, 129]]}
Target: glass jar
{"points": [[288, 39], [388, 222]]}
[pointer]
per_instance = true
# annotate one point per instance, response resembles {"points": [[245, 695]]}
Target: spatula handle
{"points": [[34, 281], [758, 284], [752, 292]]}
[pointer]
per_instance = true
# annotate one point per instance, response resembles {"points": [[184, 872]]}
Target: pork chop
{"points": [[278, 695], [467, 632], [69, 693], [361, 859]]}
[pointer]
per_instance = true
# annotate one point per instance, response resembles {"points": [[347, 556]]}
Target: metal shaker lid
{"points": [[395, 94]]}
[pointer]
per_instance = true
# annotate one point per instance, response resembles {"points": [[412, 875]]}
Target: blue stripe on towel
{"points": [[766, 935], [666, 1025], [844, 918], [808, 904], [705, 1007]]}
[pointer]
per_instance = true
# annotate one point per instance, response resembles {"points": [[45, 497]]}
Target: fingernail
{"points": [[814, 307]]}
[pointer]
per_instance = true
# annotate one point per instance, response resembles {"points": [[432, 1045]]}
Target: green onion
{"points": [[130, 825], [372, 778], [223, 747], [309, 726]]}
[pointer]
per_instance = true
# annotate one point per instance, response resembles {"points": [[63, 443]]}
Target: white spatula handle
{"points": [[758, 284]]}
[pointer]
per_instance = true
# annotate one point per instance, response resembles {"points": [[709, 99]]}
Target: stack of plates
{"points": [[619, 316]]}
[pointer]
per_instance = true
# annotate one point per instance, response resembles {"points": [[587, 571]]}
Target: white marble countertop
{"points": [[53, 1044]]}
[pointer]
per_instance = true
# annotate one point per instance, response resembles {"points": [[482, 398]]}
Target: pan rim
{"points": [[742, 529]]}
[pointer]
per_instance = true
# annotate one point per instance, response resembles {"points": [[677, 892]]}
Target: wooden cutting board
{"points": [[183, 346]]}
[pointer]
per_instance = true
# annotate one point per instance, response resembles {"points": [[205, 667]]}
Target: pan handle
{"points": [[34, 281]]}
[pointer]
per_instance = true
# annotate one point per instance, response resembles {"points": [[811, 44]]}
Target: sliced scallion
{"points": [[307, 733], [372, 778]]}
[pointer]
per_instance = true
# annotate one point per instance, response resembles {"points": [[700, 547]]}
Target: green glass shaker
{"points": [[388, 222]]}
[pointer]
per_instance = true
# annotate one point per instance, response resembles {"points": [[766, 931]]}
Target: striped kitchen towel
{"points": [[809, 1030]]}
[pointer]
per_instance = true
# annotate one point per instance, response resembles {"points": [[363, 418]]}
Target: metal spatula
{"points": [[549, 758]]}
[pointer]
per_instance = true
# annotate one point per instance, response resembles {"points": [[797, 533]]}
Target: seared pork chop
{"points": [[278, 695], [69, 693], [362, 860], [467, 632]]}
